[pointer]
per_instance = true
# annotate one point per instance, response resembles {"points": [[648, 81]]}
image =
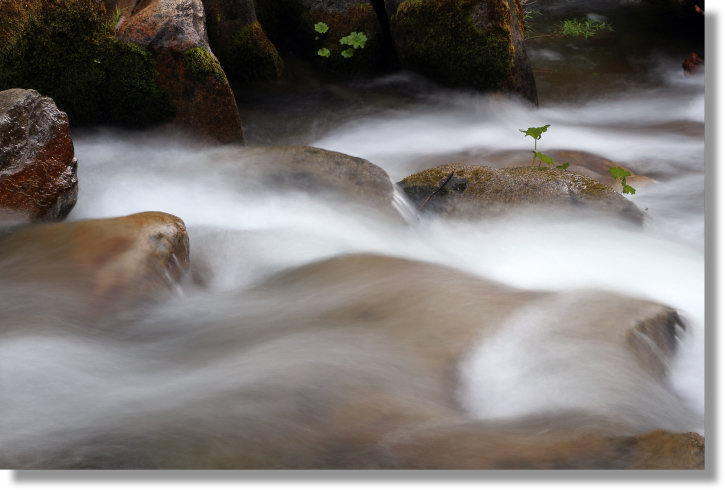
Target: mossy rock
{"points": [[250, 56], [464, 43], [456, 42], [239, 41], [66, 50], [201, 64], [475, 192]]}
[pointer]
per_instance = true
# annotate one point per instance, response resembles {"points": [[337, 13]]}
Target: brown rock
{"points": [[475, 192], [38, 178], [116, 260], [692, 63], [174, 31]]}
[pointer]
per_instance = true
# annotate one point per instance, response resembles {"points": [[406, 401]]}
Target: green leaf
{"points": [[347, 53], [535, 132], [354, 39], [628, 189], [321, 27], [324, 52], [563, 166], [544, 158], [619, 172]]}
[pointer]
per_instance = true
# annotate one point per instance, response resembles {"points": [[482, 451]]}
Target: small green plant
{"points": [[621, 175], [535, 134], [529, 14], [355, 40], [585, 28]]}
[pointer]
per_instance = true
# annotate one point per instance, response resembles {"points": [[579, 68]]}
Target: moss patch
{"points": [[456, 42], [65, 49], [201, 64], [250, 56]]}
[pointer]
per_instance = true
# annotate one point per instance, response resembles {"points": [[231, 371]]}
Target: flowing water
{"points": [[308, 322]]}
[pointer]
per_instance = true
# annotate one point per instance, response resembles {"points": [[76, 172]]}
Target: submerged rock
{"points": [[174, 31], [470, 43], [235, 35], [337, 175], [475, 192], [111, 262], [38, 179]]}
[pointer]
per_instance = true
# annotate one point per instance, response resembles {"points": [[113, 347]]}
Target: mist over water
{"points": [[304, 317]]}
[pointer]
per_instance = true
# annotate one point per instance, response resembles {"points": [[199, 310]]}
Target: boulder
{"points": [[66, 50], [174, 31], [109, 262], [320, 172], [470, 43], [235, 35], [475, 192], [580, 162], [290, 25], [38, 178]]}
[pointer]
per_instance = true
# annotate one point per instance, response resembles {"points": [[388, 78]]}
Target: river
{"points": [[275, 325]]}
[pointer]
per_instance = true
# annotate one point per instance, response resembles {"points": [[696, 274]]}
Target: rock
{"points": [[289, 24], [692, 64], [470, 43], [302, 168], [580, 162], [174, 32], [38, 178], [66, 50], [476, 192], [235, 35], [109, 262]]}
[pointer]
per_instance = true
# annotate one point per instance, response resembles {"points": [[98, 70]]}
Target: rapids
{"points": [[267, 346]]}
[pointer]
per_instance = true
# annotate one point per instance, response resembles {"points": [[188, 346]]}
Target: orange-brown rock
{"points": [[116, 260], [38, 178], [174, 31]]}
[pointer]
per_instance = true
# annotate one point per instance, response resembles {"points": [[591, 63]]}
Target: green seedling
{"points": [[585, 28], [535, 134], [621, 175]]}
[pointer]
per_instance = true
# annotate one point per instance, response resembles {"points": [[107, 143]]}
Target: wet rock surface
{"points": [[38, 179]]}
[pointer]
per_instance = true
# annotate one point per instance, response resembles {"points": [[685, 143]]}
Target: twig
{"points": [[450, 175]]}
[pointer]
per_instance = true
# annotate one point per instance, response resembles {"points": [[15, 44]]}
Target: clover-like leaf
{"points": [[619, 172], [354, 39], [347, 53], [321, 27], [563, 166], [535, 132], [324, 52], [628, 189]]}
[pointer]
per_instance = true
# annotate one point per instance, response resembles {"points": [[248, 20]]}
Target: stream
{"points": [[276, 349]]}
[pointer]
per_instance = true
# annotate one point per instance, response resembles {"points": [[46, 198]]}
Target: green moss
{"points": [[440, 39], [65, 49], [201, 64], [250, 56]]}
